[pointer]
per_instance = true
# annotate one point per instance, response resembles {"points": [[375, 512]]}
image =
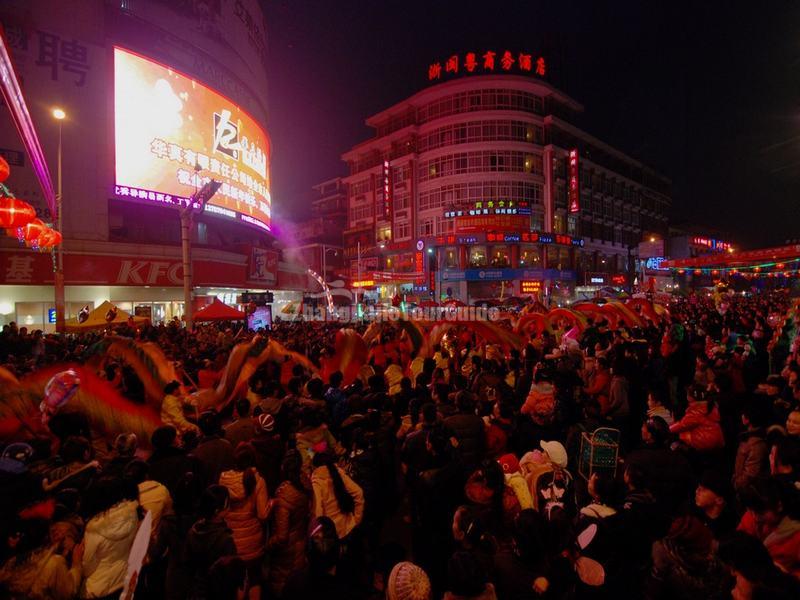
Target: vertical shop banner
{"points": [[574, 189], [262, 267]]}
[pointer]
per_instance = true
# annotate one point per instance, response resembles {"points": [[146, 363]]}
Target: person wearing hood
{"points": [[208, 540], [290, 523], [108, 538], [700, 427], [767, 517], [249, 508], [514, 480], [752, 456]]}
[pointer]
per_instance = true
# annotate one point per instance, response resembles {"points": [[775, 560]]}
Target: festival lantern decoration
{"points": [[49, 239], [61, 387], [31, 231], [15, 212], [83, 314], [5, 170]]}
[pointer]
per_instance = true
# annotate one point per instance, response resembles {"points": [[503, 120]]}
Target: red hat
{"points": [[509, 463]]}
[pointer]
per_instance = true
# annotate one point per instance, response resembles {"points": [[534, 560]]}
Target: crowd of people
{"points": [[654, 462]]}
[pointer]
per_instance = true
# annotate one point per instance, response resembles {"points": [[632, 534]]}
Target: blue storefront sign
{"points": [[506, 274], [51, 315]]}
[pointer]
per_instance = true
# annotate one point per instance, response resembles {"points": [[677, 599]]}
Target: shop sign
{"points": [[363, 283], [490, 61], [33, 268], [530, 287], [711, 243], [618, 279], [506, 274], [654, 263], [491, 207], [469, 224], [574, 182]]}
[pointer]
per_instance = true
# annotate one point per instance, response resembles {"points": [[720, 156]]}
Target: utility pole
{"points": [[59, 115], [196, 204]]}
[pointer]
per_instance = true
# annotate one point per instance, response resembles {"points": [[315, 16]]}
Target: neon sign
{"points": [[488, 62], [530, 287], [574, 184], [711, 243], [492, 207]]}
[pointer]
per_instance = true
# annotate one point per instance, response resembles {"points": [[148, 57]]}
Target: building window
{"points": [[477, 256], [528, 256], [451, 258], [426, 228], [500, 257], [402, 230]]}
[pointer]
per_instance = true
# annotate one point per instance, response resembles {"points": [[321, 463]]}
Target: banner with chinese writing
{"points": [[573, 185], [493, 222]]}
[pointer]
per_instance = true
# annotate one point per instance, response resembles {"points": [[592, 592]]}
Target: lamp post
{"points": [[195, 204], [358, 270], [59, 115], [325, 250]]}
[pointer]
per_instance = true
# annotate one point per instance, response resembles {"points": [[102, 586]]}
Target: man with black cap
{"points": [[712, 506]]}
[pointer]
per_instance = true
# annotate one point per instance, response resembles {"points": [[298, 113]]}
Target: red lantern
{"points": [[15, 212], [32, 231], [5, 170], [49, 239]]}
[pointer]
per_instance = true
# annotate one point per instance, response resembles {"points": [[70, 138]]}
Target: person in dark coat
{"points": [[684, 564], [244, 427], [168, 463], [214, 453], [752, 455], [667, 474], [208, 540], [269, 449], [468, 429], [171, 542]]}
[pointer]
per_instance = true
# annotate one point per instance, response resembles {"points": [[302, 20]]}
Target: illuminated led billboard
{"points": [[173, 133]]}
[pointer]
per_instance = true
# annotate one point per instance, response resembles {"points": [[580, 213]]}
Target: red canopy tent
{"points": [[219, 311]]}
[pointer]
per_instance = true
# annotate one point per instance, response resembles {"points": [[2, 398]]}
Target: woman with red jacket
{"points": [[699, 428]]}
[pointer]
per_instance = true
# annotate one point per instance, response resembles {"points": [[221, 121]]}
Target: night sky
{"points": [[706, 96]]}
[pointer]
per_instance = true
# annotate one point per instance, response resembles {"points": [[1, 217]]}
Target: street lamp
{"points": [[325, 250], [59, 115], [195, 204]]}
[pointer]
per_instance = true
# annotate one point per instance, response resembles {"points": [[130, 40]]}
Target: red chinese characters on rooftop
{"points": [[488, 62]]}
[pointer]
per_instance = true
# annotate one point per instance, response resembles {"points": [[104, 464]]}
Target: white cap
{"points": [[556, 452]]}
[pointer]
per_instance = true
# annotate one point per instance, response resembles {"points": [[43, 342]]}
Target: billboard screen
{"points": [[168, 125]]}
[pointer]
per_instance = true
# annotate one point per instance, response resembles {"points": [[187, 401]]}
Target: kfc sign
{"points": [[262, 266]]}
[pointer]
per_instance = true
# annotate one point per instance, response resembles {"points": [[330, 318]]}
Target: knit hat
{"points": [[408, 582], [509, 463], [556, 452], [266, 422]]}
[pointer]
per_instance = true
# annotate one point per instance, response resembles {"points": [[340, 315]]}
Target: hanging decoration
{"points": [[15, 212]]}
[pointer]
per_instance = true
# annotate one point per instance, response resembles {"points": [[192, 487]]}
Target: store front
{"points": [[143, 285]]}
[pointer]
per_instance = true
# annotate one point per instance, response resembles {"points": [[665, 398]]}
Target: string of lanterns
{"points": [[19, 220], [778, 269]]}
